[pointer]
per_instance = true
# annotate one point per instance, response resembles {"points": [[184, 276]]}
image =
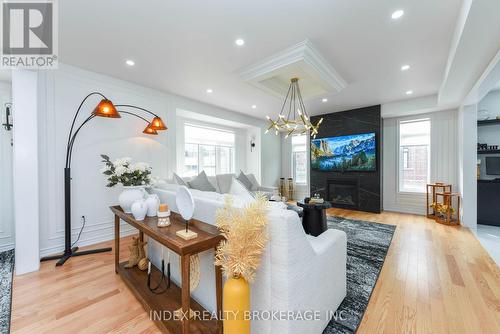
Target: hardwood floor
{"points": [[436, 279]]}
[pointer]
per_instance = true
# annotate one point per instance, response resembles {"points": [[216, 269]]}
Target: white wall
{"points": [[467, 163], [25, 98], [489, 134], [443, 160], [62, 91], [6, 192]]}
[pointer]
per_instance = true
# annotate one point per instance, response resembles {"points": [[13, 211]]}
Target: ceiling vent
{"points": [[302, 61]]}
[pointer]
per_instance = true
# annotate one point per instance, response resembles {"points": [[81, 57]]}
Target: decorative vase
{"points": [[236, 306], [129, 195], [153, 203], [139, 209]]}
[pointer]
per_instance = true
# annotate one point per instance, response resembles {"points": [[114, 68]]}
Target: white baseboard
{"points": [[405, 209], [6, 247], [88, 241]]}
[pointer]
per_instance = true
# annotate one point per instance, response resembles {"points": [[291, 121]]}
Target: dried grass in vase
{"points": [[245, 230]]}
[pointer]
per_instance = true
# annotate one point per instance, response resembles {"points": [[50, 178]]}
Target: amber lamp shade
{"points": [[105, 108], [149, 130], [157, 124]]}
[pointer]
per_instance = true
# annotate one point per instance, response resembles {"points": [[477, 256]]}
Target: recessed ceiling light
{"points": [[130, 62], [405, 67], [239, 42], [397, 14], [409, 92], [209, 90], [254, 106], [324, 100]]}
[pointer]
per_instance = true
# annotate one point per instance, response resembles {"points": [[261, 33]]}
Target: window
{"points": [[299, 159], [414, 155], [208, 149]]}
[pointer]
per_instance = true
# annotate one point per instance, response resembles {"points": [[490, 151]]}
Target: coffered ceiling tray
{"points": [[316, 76]]}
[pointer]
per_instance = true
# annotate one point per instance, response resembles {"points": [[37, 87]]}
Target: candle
{"points": [[163, 208], [149, 267]]}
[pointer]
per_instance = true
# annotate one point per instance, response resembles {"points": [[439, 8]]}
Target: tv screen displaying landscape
{"points": [[345, 153]]}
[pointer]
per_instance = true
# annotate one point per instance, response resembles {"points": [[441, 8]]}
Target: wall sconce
{"points": [[8, 117], [252, 145]]}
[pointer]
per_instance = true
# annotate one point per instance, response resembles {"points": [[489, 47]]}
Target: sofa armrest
{"points": [[267, 189], [326, 240]]}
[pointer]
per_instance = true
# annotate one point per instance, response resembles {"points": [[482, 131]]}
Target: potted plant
{"points": [[133, 176], [239, 255]]}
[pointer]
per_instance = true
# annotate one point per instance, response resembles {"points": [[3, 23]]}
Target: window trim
{"points": [[398, 155]]}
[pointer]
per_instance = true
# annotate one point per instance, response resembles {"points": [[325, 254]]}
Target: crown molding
{"points": [[302, 57]]}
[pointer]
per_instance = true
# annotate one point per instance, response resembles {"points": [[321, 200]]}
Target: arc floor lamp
{"points": [[105, 108]]}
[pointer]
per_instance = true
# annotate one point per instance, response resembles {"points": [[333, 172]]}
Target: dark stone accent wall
{"points": [[351, 122]]}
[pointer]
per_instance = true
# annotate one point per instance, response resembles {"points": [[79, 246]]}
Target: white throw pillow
{"points": [[179, 180], [239, 190]]}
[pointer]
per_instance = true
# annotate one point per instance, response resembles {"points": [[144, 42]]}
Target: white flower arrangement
{"points": [[125, 172]]}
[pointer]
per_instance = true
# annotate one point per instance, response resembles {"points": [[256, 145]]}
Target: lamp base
{"points": [[187, 235], [73, 252]]}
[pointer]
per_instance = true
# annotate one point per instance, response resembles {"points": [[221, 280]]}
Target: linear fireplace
{"points": [[345, 187], [343, 193]]}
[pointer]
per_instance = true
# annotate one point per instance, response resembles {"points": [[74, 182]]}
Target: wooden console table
{"points": [[175, 297]]}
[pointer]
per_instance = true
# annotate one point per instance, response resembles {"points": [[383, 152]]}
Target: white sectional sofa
{"points": [[298, 272]]}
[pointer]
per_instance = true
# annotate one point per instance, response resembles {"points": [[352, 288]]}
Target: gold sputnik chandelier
{"points": [[293, 118]]}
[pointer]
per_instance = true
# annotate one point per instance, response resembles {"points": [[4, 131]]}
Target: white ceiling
{"points": [[188, 46]]}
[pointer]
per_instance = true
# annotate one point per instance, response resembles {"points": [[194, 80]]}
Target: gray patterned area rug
{"points": [[6, 272], [367, 246]]}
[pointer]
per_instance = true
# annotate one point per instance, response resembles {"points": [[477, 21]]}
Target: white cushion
{"points": [[179, 180], [239, 190]]}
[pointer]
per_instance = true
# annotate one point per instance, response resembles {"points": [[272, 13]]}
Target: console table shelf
{"points": [[175, 297], [170, 301]]}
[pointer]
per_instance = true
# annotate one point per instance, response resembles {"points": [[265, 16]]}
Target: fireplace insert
{"points": [[343, 193]]}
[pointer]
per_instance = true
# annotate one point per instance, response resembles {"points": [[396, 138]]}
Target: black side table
{"points": [[314, 217]]}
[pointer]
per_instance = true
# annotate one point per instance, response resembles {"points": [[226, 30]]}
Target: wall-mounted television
{"points": [[493, 165], [353, 153]]}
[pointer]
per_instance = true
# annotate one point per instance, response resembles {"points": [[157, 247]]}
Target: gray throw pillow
{"points": [[224, 182], [201, 182], [244, 180], [255, 183], [179, 180]]}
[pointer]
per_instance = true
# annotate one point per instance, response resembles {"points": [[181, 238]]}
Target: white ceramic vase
{"points": [[129, 195], [153, 203], [139, 209]]}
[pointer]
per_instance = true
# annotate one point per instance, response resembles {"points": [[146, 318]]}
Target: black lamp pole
{"points": [[70, 251]]}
